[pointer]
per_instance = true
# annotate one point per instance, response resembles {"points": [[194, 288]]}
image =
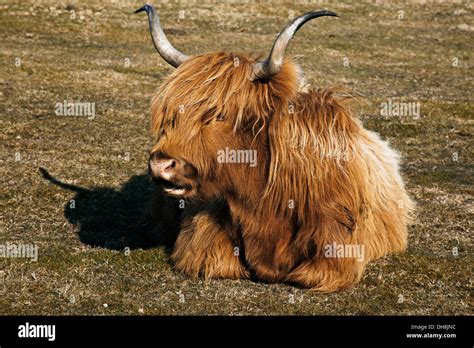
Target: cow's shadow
{"points": [[110, 218]]}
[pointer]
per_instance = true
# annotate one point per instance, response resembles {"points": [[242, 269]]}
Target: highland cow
{"points": [[324, 197]]}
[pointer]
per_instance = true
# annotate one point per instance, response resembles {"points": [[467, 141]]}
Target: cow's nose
{"points": [[163, 168]]}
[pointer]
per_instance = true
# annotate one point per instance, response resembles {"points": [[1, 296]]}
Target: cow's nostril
{"points": [[171, 165]]}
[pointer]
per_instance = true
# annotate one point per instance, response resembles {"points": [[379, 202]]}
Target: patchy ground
{"points": [[99, 52]]}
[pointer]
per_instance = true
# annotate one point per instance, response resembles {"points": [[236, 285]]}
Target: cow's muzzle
{"points": [[174, 175]]}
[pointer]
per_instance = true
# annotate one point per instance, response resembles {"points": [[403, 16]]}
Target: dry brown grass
{"points": [[82, 264]]}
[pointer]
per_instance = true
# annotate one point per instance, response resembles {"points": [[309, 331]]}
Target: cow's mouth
{"points": [[174, 189]]}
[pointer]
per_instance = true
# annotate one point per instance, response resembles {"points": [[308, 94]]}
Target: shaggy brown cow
{"points": [[322, 197]]}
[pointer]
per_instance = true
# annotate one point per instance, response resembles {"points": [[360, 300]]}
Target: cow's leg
{"points": [[268, 252], [327, 274], [339, 260], [204, 248]]}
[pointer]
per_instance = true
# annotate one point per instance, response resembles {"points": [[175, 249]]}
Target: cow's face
{"points": [[211, 123], [184, 160], [187, 164]]}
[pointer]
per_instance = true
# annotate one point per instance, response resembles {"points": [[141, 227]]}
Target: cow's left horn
{"points": [[162, 45], [271, 66]]}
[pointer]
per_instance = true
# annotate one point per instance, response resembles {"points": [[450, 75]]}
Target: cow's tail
{"points": [[45, 174]]}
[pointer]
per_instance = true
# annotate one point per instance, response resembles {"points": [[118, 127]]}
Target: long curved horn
{"points": [[264, 70], [162, 45]]}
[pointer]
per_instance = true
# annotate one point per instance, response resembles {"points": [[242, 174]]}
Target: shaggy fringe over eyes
{"points": [[217, 86]]}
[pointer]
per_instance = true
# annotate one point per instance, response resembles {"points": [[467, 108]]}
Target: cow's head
{"points": [[212, 116]]}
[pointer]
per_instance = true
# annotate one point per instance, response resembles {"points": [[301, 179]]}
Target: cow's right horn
{"points": [[268, 68], [162, 45]]}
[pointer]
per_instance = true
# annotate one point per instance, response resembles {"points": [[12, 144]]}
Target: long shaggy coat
{"points": [[321, 179]]}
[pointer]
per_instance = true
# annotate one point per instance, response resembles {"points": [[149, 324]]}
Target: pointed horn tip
{"points": [[146, 8]]}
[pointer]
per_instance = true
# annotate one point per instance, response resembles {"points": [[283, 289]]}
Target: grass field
{"points": [[99, 52]]}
